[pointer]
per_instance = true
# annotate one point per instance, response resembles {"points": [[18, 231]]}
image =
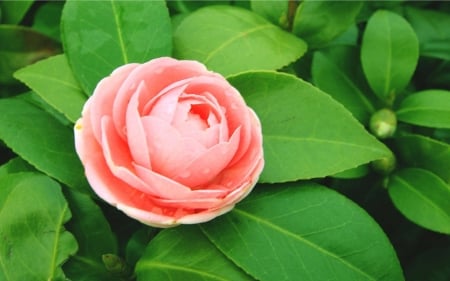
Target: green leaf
{"points": [[25, 46], [15, 165], [99, 40], [319, 22], [53, 80], [424, 152], [41, 140], [47, 19], [304, 232], [431, 265], [336, 71], [14, 11], [432, 32], [306, 134], [274, 11], [429, 108], [136, 245], [389, 54], [422, 197], [184, 253], [34, 242], [235, 40], [94, 237]]}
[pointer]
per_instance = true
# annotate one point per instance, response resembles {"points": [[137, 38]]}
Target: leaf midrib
{"points": [[234, 38], [119, 33], [185, 269], [303, 240]]}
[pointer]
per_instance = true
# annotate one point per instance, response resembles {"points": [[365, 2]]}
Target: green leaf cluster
{"points": [[354, 102]]}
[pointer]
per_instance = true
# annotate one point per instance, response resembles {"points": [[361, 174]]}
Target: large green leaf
{"points": [[304, 232], [99, 39], [14, 11], [319, 22], [53, 80], [337, 71], [431, 27], [306, 134], [424, 152], [422, 197], [94, 237], [25, 46], [184, 253], [235, 40], [274, 11], [47, 19], [15, 165], [389, 54], [430, 108], [41, 140], [34, 242]]}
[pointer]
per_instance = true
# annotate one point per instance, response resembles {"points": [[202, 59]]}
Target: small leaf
{"points": [[274, 11], [99, 40], [422, 197], [41, 140], [25, 46], [47, 19], [424, 152], [389, 54], [53, 80], [34, 242], [14, 11], [432, 32], [319, 22], [429, 108], [306, 133], [15, 165], [235, 40], [184, 253], [304, 232], [336, 71], [94, 236]]}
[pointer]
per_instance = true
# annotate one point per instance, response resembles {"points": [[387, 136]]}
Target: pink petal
{"points": [[136, 136], [101, 102], [169, 151], [164, 187], [210, 163], [157, 74], [204, 216]]}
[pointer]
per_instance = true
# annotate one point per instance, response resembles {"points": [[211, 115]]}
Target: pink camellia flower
{"points": [[169, 142]]}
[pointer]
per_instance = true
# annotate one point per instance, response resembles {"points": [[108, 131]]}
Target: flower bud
{"points": [[115, 264], [385, 165], [383, 123]]}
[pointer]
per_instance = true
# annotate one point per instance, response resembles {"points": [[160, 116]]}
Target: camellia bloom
{"points": [[169, 142]]}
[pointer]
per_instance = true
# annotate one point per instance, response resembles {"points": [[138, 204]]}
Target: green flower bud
{"points": [[385, 165], [383, 123], [115, 264]]}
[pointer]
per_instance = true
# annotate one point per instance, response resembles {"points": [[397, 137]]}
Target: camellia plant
{"points": [[224, 140]]}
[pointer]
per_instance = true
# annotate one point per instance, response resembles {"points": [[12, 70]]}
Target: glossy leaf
{"points": [[422, 197], [15, 165], [34, 243], [99, 40], [94, 236], [47, 19], [336, 71], [429, 108], [184, 253], [319, 22], [41, 140], [53, 80], [424, 152], [389, 54], [304, 232], [274, 11], [14, 11], [306, 133], [25, 46], [247, 42], [431, 29]]}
